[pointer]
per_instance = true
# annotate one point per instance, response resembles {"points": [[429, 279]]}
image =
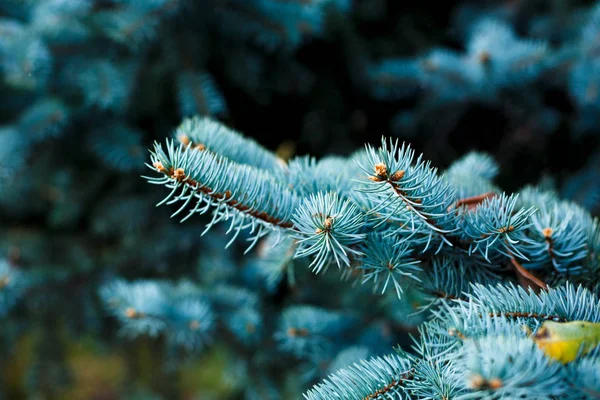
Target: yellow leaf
{"points": [[564, 341]]}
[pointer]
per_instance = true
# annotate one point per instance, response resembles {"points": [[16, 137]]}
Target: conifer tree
{"points": [[345, 272]]}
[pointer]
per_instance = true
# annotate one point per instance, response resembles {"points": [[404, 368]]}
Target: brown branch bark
{"points": [[180, 176]]}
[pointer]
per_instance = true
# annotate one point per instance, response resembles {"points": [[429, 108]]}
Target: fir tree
{"points": [[366, 275]]}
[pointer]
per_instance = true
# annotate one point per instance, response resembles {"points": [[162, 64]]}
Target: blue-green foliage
{"points": [[12, 155], [89, 71], [242, 195], [364, 380], [25, 60], [311, 332], [397, 222], [44, 119], [495, 58], [198, 94], [408, 194], [117, 145], [326, 228], [151, 308], [472, 175], [477, 348], [498, 224], [387, 262], [268, 339], [582, 187], [559, 237], [213, 136], [103, 85], [554, 49], [409, 203], [583, 375], [274, 24], [415, 251], [272, 264]]}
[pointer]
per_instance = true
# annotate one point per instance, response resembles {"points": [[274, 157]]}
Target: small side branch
{"points": [[528, 276], [390, 386], [519, 314], [180, 176], [473, 201]]}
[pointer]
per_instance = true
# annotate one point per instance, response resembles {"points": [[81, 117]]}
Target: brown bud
{"points": [[328, 222], [250, 328], [185, 139], [159, 166], [495, 383], [199, 147], [398, 175], [505, 229], [130, 312], [477, 382], [179, 174], [547, 232], [380, 169], [456, 333], [194, 325], [375, 178], [4, 281]]}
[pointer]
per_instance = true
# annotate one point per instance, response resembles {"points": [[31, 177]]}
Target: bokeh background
{"points": [[87, 86]]}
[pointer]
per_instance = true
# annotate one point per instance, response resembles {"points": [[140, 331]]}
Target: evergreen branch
{"points": [[475, 164], [387, 259], [378, 378], [564, 303], [472, 175], [496, 224], [412, 195], [557, 238], [249, 197], [520, 367], [327, 227], [310, 332], [519, 314], [203, 133], [179, 175], [153, 308], [452, 279]]}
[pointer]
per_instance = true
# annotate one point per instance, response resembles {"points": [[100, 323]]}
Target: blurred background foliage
{"points": [[88, 85]]}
